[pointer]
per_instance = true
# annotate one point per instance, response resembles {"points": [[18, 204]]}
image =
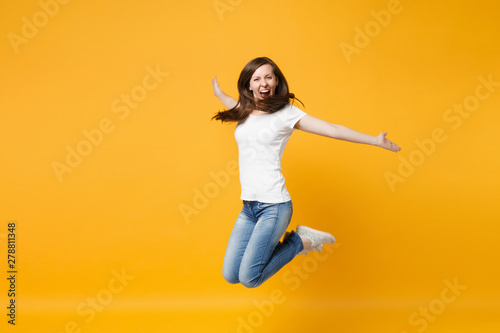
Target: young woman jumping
{"points": [[266, 117]]}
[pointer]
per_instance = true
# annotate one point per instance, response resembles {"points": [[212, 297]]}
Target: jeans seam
{"points": [[276, 260], [253, 209], [267, 244], [268, 240], [280, 256]]}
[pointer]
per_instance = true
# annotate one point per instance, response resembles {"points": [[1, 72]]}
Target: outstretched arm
{"points": [[317, 126], [228, 101]]}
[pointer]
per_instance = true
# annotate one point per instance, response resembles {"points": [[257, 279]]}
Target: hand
{"points": [[216, 87], [385, 143]]}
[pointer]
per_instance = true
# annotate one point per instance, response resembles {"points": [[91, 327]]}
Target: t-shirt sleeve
{"points": [[294, 114]]}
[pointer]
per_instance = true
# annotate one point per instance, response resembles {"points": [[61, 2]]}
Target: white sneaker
{"points": [[318, 238], [318, 248]]}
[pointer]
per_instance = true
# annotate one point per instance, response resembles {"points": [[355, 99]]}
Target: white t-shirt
{"points": [[261, 142]]}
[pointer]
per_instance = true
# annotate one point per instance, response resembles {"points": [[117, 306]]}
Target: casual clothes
{"points": [[254, 252], [261, 142]]}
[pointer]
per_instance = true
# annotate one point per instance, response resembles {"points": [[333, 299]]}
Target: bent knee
{"points": [[230, 277], [250, 282]]}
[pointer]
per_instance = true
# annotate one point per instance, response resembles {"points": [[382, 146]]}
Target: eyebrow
{"points": [[255, 76]]}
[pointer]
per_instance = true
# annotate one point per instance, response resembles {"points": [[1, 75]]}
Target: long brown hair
{"points": [[246, 102]]}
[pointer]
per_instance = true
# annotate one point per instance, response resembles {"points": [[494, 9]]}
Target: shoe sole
{"points": [[325, 234]]}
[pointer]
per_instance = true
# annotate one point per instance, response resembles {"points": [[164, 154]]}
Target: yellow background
{"points": [[120, 209]]}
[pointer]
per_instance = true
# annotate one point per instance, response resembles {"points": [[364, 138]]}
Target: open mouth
{"points": [[265, 93]]}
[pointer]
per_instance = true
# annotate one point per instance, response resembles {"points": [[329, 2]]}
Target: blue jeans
{"points": [[254, 252]]}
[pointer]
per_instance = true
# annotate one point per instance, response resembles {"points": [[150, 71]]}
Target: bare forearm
{"points": [[228, 101], [341, 132], [317, 126]]}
